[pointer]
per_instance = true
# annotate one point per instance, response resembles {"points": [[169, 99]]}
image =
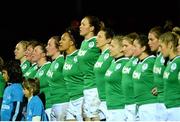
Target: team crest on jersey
{"points": [[173, 66], [56, 65], [135, 62], [118, 66], [106, 56], [35, 68], [75, 59], [5, 106], [162, 60], [24, 66], [144, 67], [41, 72], [91, 44]]}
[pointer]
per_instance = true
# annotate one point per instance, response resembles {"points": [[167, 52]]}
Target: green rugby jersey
{"points": [[127, 81], [73, 76], [31, 72], [113, 77], [171, 78], [158, 71], [100, 67], [87, 57], [144, 81], [25, 66], [2, 85], [58, 88], [44, 85]]}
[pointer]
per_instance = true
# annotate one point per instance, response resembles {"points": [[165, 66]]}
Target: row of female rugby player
{"points": [[133, 77]]}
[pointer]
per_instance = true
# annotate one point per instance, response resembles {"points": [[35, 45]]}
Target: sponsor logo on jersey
{"points": [[98, 64], [82, 52], [108, 73], [91, 44], [126, 70], [136, 75], [157, 70], [144, 67], [106, 56], [173, 66], [166, 75], [67, 66]]}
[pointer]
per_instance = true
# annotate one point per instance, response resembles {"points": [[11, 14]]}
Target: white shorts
{"points": [[74, 111], [58, 111], [102, 110], [161, 112], [173, 114], [91, 103], [148, 112], [48, 112], [116, 115], [130, 112]]}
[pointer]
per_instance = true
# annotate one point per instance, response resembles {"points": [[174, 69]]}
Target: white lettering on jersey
{"points": [[157, 70], [165, 75], [49, 74], [67, 66], [136, 75], [98, 64], [82, 52], [27, 74], [126, 70], [108, 73], [6, 107]]}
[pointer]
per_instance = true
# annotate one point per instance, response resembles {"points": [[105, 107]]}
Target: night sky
{"points": [[41, 20]]}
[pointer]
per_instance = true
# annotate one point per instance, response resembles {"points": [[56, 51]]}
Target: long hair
{"points": [[14, 71]]}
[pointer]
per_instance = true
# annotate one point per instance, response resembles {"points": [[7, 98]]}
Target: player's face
{"points": [[164, 49], [28, 52], [65, 42], [5, 75], [51, 47], [37, 54], [115, 48], [101, 39], [27, 93], [153, 42], [19, 51], [128, 48], [137, 48], [85, 27]]}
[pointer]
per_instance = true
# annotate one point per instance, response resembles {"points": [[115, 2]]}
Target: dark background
{"points": [[43, 19]]}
